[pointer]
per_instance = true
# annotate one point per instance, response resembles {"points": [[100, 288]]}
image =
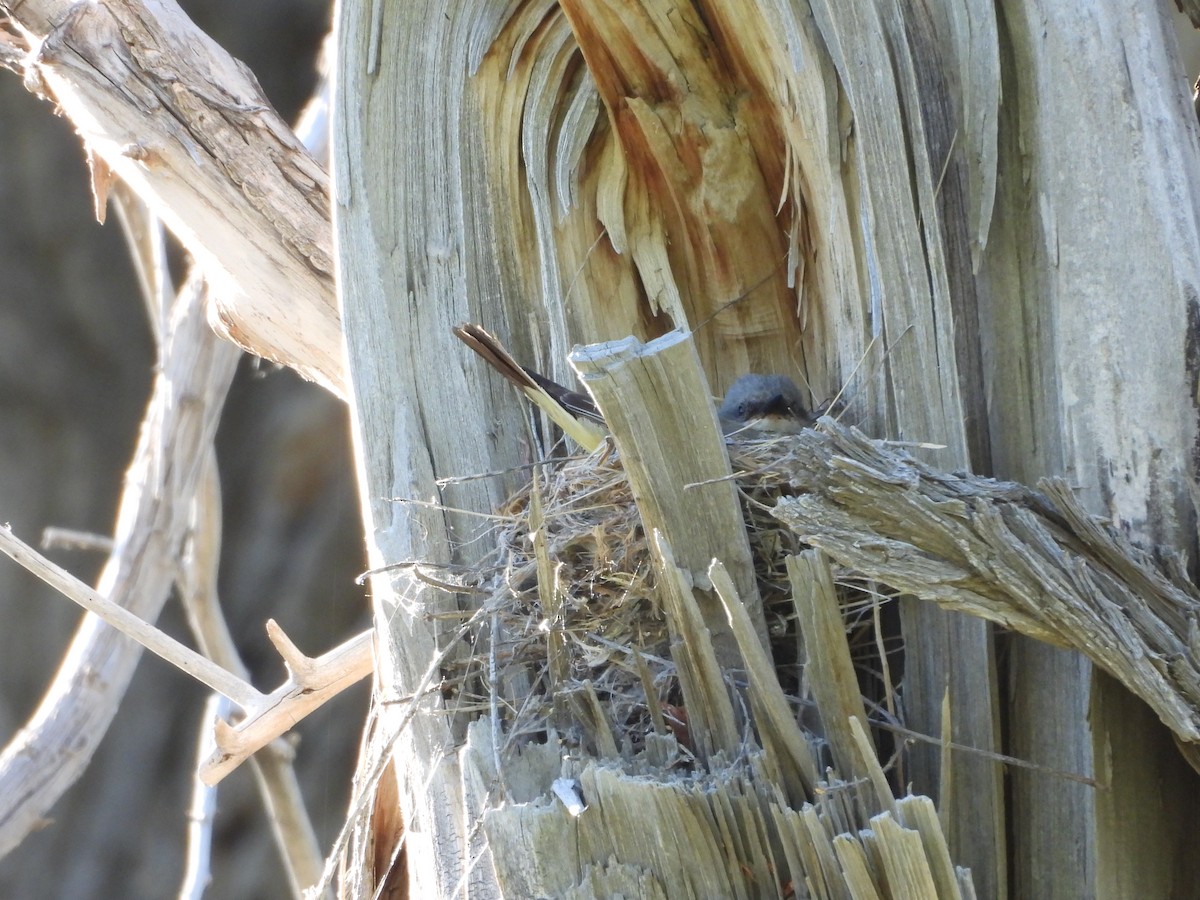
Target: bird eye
{"points": [[742, 412]]}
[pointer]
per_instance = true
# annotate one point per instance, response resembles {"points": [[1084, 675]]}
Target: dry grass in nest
{"points": [[586, 653]]}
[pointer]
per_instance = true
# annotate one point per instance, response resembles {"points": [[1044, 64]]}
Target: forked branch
{"points": [[310, 683]]}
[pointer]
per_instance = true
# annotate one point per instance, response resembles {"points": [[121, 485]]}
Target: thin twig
{"points": [[1001, 758], [69, 539], [274, 772], [182, 657], [369, 774], [197, 872]]}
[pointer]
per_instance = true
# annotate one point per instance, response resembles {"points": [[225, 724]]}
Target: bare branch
{"points": [[188, 128], [54, 747], [310, 684], [71, 539], [197, 874], [273, 766], [182, 657]]}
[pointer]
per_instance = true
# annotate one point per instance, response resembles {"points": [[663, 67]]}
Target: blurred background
{"points": [[76, 362]]}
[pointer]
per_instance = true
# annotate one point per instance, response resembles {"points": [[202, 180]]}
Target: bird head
{"points": [[764, 404]]}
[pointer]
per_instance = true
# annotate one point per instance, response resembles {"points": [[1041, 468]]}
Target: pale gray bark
{"points": [[1092, 274], [959, 245]]}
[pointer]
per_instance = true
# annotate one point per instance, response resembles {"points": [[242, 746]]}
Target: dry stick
{"points": [[37, 767], [146, 241], [53, 749], [188, 128], [311, 681], [54, 538], [202, 669], [160, 157], [273, 769], [274, 774], [1012, 761], [197, 870], [197, 579]]}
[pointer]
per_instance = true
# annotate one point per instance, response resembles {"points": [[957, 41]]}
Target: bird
{"points": [[758, 405], [755, 405]]}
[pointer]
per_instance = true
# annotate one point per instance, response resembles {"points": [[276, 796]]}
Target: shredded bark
{"points": [[1031, 560], [576, 625]]}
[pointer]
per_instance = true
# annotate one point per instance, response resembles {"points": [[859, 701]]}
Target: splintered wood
{"points": [[635, 691], [1032, 560], [606, 675], [187, 127]]}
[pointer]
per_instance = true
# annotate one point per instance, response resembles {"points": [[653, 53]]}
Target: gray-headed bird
{"points": [[755, 405]]}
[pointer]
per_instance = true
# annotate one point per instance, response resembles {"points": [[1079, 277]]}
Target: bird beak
{"points": [[787, 423], [779, 417]]}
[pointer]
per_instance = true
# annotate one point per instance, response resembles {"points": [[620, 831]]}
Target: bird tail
{"points": [[573, 412]]}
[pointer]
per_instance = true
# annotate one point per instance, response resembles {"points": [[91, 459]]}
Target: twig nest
{"points": [[578, 628]]}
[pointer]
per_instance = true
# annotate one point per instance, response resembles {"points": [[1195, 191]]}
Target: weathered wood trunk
{"points": [[982, 220], [1087, 335], [979, 221]]}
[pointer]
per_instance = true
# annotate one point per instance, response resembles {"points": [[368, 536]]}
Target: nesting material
{"points": [[582, 647], [581, 644], [585, 686], [581, 661]]}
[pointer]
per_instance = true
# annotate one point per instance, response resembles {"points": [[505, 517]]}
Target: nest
{"points": [[579, 644]]}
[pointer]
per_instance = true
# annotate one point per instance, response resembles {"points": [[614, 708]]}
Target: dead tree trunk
{"points": [[980, 220]]}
